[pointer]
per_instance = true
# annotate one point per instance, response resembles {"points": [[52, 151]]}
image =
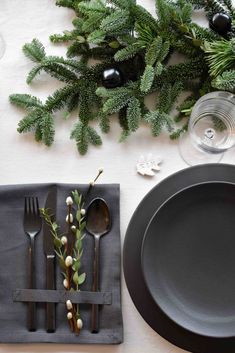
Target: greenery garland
{"points": [[124, 35]]}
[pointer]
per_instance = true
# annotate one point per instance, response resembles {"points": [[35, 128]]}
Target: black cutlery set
{"points": [[98, 223]]}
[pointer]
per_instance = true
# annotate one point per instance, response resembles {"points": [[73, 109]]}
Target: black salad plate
{"points": [[190, 314], [188, 258]]}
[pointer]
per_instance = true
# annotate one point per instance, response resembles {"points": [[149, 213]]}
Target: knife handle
{"points": [[50, 284]]}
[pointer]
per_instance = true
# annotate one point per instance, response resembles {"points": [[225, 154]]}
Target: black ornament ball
{"points": [[112, 77], [221, 23]]}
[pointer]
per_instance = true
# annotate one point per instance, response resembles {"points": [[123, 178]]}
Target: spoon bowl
{"points": [[98, 223], [98, 220]]}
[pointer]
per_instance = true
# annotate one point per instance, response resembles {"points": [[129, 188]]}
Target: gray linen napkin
{"points": [[14, 265]]}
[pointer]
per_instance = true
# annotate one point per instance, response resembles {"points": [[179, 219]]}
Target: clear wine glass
{"points": [[211, 130], [2, 46]]}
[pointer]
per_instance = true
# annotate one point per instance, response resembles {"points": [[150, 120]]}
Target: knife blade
{"points": [[48, 246]]}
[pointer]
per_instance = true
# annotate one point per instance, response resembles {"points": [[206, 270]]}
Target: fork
{"points": [[32, 226]]}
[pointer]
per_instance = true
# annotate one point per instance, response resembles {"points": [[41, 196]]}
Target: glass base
{"points": [[2, 47], [193, 155]]}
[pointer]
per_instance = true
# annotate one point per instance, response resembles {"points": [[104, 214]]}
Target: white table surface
{"points": [[22, 160]]}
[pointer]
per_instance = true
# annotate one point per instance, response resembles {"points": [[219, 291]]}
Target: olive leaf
{"points": [[81, 278], [57, 243]]}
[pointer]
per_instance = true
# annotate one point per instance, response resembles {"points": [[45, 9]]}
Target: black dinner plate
{"points": [[143, 300], [188, 252]]}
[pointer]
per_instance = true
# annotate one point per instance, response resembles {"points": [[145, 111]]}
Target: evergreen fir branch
{"points": [[33, 73], [87, 100], [101, 53], [153, 51], [29, 122], [91, 23], [115, 22], [164, 100], [52, 65], [197, 4], [60, 97], [153, 118], [104, 122], [220, 55], [158, 69], [186, 13], [158, 120], [133, 114], [225, 81], [46, 125], [76, 49], [122, 118], [128, 52], [229, 5], [163, 12], [187, 105], [80, 135], [176, 89], [165, 49], [78, 23], [93, 137], [96, 37], [117, 102], [116, 31], [182, 72], [60, 72], [65, 37], [167, 97], [74, 65], [147, 79], [104, 92], [124, 135], [177, 133], [38, 134], [57, 38], [73, 102], [145, 34], [214, 6], [144, 18], [90, 7], [35, 51], [26, 101], [122, 4], [66, 3]]}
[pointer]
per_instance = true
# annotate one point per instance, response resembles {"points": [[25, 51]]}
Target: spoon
{"points": [[98, 223]]}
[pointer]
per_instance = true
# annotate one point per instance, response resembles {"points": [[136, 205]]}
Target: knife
{"points": [[48, 246]]}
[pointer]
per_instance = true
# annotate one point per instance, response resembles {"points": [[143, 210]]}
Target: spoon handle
{"points": [[95, 287]]}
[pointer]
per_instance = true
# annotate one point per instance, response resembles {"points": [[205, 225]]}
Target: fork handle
{"points": [[32, 305]]}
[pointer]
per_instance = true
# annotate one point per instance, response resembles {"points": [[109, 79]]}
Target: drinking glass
{"points": [[211, 129]]}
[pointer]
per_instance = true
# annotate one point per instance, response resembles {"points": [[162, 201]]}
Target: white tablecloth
{"points": [[22, 160]]}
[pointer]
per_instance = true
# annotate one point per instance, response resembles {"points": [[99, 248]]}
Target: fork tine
{"points": [[33, 205], [25, 205], [29, 205], [38, 212]]}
